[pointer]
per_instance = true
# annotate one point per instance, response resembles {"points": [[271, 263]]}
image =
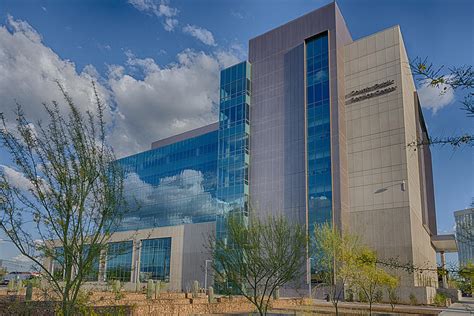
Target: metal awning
{"points": [[444, 243]]}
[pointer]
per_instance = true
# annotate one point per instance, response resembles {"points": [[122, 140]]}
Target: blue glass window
{"points": [[318, 134], [155, 258], [93, 273], [172, 185], [234, 127], [119, 261]]}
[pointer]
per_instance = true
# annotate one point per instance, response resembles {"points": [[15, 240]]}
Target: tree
{"points": [[466, 278], [370, 279], [335, 255], [392, 296], [74, 196], [3, 272], [455, 78], [259, 257]]}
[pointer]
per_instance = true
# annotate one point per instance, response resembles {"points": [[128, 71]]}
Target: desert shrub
{"points": [[349, 295], [440, 299], [362, 297]]}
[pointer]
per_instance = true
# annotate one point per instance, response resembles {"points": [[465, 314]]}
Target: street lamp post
{"points": [[205, 273]]}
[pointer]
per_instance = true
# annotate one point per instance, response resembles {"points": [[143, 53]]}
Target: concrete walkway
{"points": [[358, 308], [463, 307]]}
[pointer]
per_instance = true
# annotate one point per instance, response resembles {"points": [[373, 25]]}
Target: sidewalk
{"points": [[357, 308], [463, 307]]}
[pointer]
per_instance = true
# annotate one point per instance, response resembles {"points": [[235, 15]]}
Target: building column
{"points": [[102, 266], [443, 266], [136, 261]]}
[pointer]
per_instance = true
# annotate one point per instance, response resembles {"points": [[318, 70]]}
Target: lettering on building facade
{"points": [[370, 92]]}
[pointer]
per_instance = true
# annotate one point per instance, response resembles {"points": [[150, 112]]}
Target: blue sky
{"points": [[157, 64]]}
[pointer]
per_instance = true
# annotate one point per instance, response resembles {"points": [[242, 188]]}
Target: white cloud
{"points": [[149, 101], [160, 9], [435, 98], [237, 14], [233, 55], [167, 100], [29, 71], [169, 24], [166, 10], [19, 26], [15, 178], [104, 47], [200, 33], [143, 5], [163, 10]]}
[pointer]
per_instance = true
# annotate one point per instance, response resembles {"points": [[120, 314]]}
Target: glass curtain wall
{"points": [[171, 185], [119, 261], [464, 233], [318, 135], [58, 265], [155, 258], [93, 273], [233, 152]]}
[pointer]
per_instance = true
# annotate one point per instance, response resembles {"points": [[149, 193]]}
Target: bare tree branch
{"points": [[75, 194]]}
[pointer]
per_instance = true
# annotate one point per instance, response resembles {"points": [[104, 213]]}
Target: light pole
{"points": [[205, 273], [308, 275], [402, 185]]}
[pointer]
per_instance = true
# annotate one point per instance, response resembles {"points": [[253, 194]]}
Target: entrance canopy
{"points": [[444, 243]]}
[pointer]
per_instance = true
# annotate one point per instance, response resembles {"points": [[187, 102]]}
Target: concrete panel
{"points": [[388, 218], [196, 252]]}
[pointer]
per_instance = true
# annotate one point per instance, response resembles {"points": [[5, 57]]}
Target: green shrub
{"points": [[350, 295], [440, 299], [413, 300], [116, 287], [362, 297]]}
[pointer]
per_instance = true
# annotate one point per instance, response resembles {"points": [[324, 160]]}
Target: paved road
{"points": [[463, 307]]}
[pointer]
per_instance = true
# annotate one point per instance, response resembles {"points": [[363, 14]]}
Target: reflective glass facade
{"points": [[172, 185], [119, 261], [93, 274], [58, 270], [233, 153], [155, 258], [464, 236], [58, 264], [318, 134]]}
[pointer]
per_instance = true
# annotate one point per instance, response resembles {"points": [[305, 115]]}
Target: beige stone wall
{"points": [[387, 218], [424, 254], [188, 253]]}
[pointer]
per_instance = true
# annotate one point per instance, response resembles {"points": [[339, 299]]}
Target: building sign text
{"points": [[370, 92]]}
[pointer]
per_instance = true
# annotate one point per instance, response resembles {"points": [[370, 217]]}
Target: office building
{"points": [[314, 126], [465, 235]]}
